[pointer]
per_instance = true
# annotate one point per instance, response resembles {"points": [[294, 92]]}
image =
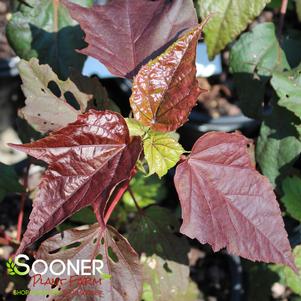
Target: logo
{"points": [[56, 267], [12, 266]]}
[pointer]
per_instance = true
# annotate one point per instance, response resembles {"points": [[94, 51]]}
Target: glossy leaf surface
{"points": [[87, 159], [45, 110], [125, 34], [166, 89], [121, 278], [227, 203]]}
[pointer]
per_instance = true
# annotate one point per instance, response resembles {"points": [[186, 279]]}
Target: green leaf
{"points": [[146, 190], [10, 267], [154, 232], [161, 151], [84, 216], [135, 127], [9, 182], [229, 19], [288, 276], [291, 187], [45, 30], [278, 145], [167, 280], [288, 87], [49, 109], [253, 58]]}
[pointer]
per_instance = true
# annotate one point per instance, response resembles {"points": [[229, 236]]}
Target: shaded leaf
{"points": [[9, 182], [154, 232], [227, 203], [298, 9], [45, 110], [167, 280], [259, 281], [146, 190], [161, 151], [253, 58], [291, 198], [166, 89], [288, 87], [44, 29], [120, 280], [26, 132], [229, 19], [141, 30], [291, 43], [278, 145], [289, 277], [85, 216], [87, 159], [92, 86]]}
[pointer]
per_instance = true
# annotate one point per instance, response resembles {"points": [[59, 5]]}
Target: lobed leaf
{"points": [[229, 19], [45, 110], [227, 203], [166, 89], [125, 34], [121, 278], [161, 151], [87, 160]]}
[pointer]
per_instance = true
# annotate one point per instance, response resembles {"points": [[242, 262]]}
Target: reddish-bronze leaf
{"points": [[227, 203], [87, 159], [125, 34], [166, 89], [121, 278]]}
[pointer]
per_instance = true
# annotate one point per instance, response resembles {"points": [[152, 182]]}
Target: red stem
{"points": [[118, 196], [116, 200], [22, 205], [134, 199]]}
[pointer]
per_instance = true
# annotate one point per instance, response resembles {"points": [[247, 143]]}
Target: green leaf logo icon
{"points": [[10, 267]]}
